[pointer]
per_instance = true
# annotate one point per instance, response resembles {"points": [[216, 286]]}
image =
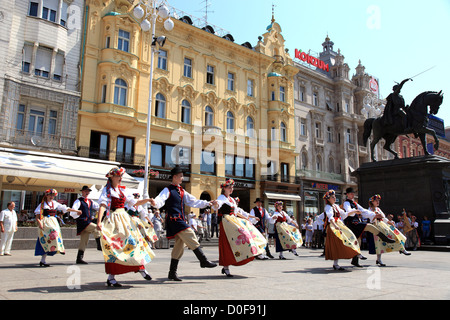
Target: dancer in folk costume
{"points": [[85, 225], [287, 234], [239, 241], [356, 224], [262, 217], [340, 241], [174, 198], [50, 241], [139, 215], [124, 248], [378, 218]]}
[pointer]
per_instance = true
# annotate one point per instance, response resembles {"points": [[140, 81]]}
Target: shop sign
{"points": [[69, 190], [303, 56], [324, 186]]}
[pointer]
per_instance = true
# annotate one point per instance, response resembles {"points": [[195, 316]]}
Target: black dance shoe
{"points": [[227, 272]]}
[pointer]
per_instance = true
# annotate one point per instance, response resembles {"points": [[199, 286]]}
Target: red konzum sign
{"points": [[299, 54]]}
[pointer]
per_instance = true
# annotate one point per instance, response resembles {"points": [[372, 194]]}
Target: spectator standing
{"points": [[8, 225], [309, 233], [214, 224], [426, 228]]}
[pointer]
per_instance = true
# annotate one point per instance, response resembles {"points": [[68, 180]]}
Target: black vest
{"points": [[355, 224], [260, 225], [174, 205], [87, 214]]}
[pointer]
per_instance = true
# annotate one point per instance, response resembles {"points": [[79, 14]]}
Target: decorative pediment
{"points": [[232, 104], [250, 109], [210, 98], [162, 85], [188, 92]]}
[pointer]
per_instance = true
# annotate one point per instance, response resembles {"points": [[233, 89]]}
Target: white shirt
{"points": [[76, 206], [277, 214], [371, 214], [222, 199], [53, 205], [330, 213], [188, 199], [9, 219], [129, 198], [363, 211]]}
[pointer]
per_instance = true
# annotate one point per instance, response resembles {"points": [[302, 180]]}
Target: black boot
{"points": [[355, 262], [80, 256], [99, 245], [383, 237], [268, 252], [173, 270], [204, 263]]}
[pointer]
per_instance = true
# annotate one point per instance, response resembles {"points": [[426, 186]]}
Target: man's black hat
{"points": [[85, 188], [349, 190], [176, 170]]}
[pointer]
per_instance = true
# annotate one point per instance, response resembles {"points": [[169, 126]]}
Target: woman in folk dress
{"points": [[239, 241], [340, 242], [50, 241], [287, 237], [124, 248], [378, 218]]}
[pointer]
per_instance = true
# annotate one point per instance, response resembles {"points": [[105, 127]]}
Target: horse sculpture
{"points": [[417, 115]]}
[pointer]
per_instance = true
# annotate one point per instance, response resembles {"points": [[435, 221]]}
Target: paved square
{"points": [[423, 275]]}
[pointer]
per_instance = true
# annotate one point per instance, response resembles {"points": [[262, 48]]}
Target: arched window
{"points": [[209, 116], [230, 122], [283, 132], [250, 127], [120, 92], [160, 106], [185, 112]]}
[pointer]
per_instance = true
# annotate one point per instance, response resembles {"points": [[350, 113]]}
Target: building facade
{"points": [[219, 109], [40, 43], [329, 124]]}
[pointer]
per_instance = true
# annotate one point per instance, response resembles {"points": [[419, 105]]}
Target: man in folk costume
{"points": [[85, 225], [262, 217], [174, 198], [356, 224]]}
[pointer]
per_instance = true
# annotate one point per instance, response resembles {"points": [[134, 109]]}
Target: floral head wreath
{"points": [[227, 183], [115, 172], [329, 194], [51, 191], [278, 203], [375, 197]]}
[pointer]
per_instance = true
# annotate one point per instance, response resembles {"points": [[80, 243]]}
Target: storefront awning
{"points": [[29, 170], [283, 196]]}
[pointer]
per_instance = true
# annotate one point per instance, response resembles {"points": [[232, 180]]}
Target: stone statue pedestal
{"points": [[420, 184]]}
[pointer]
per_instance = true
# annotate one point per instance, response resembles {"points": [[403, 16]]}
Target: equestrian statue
{"points": [[398, 119]]}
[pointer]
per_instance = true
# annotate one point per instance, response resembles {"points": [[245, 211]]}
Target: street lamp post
{"points": [[149, 11]]}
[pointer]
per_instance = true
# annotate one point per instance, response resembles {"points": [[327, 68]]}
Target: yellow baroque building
{"points": [[219, 109]]}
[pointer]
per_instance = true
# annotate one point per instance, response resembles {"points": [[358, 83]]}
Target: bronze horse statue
{"points": [[417, 115]]}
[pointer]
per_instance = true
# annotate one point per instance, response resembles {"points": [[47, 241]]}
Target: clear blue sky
{"points": [[395, 39]]}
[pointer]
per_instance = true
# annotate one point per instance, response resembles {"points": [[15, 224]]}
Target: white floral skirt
{"points": [[239, 241]]}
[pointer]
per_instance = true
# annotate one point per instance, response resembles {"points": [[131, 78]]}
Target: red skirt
{"points": [[226, 255], [115, 268]]}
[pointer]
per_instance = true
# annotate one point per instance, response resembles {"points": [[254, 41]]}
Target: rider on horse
{"points": [[395, 107]]}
